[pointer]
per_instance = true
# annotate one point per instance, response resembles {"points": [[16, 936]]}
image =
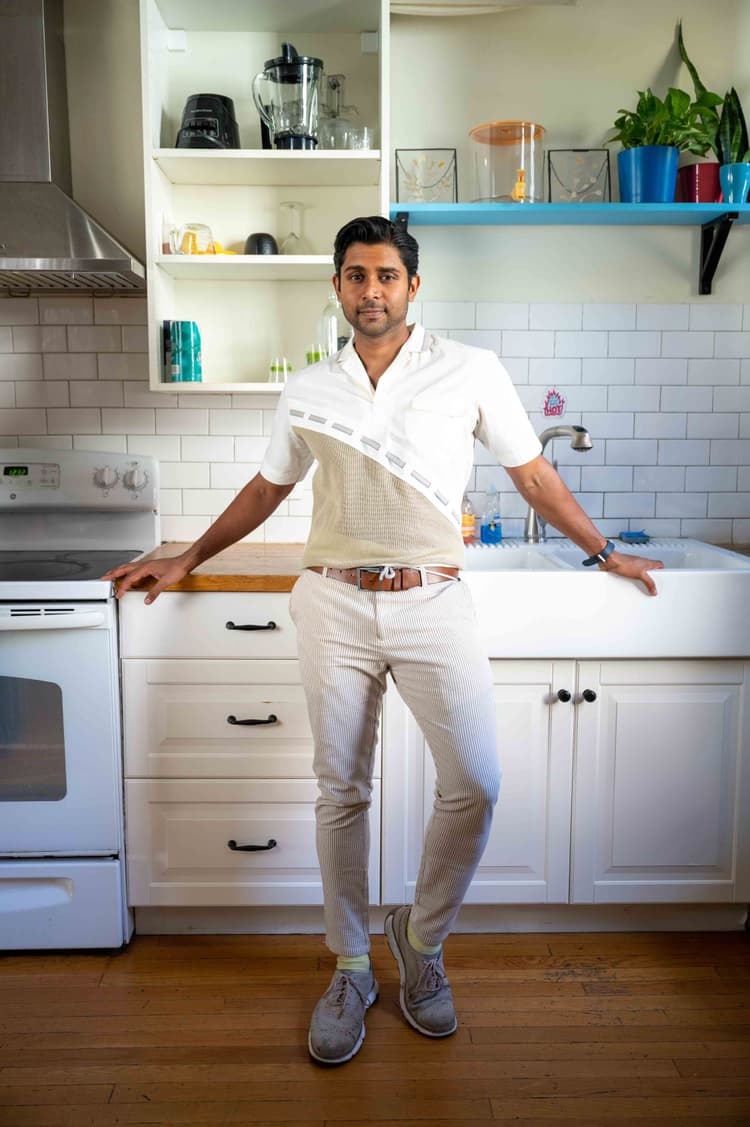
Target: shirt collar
{"points": [[416, 342]]}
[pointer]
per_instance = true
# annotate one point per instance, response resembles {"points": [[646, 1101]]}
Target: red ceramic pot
{"points": [[698, 183]]}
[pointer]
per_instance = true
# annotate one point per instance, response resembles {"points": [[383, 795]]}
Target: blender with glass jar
{"points": [[287, 96]]}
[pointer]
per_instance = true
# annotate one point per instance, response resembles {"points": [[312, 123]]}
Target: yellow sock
{"points": [[418, 945], [357, 963]]}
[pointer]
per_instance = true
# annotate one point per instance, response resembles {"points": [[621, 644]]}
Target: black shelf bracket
{"points": [[402, 220], [713, 237]]}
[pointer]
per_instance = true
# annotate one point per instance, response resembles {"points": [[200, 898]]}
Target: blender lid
{"points": [[290, 59]]}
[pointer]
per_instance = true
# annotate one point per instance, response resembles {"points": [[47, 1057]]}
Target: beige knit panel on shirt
{"points": [[362, 514]]}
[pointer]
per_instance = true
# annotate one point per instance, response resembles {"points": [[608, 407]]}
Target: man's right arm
{"points": [[248, 510]]}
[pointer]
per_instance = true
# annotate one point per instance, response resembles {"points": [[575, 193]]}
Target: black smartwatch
{"points": [[600, 557]]}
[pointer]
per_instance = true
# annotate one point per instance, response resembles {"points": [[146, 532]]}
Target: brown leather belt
{"points": [[403, 579]]}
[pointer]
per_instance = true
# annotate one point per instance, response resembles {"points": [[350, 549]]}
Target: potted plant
{"points": [[652, 136], [699, 182], [733, 150]]}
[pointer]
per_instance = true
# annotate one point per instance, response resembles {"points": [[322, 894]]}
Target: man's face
{"points": [[374, 289]]}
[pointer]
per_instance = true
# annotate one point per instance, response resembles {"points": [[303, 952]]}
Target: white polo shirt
{"points": [[393, 460]]}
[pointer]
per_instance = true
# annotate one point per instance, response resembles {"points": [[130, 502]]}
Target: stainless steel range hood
{"points": [[47, 242]]}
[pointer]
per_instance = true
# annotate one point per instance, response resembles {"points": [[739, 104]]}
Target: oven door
{"points": [[59, 730]]}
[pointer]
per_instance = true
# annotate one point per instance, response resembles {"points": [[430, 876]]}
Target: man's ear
{"points": [[337, 288], [413, 286]]}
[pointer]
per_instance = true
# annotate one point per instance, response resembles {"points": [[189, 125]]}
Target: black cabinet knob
{"points": [[588, 695], [563, 695]]}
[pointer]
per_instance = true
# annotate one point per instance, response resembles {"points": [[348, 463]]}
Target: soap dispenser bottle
{"points": [[491, 530]]}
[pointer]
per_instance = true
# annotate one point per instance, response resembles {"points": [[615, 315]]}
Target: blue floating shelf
{"points": [[566, 214]]}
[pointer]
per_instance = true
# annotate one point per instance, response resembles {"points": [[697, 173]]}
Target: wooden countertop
{"points": [[259, 567], [243, 567]]}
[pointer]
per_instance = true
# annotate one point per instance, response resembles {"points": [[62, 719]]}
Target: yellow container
{"points": [[509, 161]]}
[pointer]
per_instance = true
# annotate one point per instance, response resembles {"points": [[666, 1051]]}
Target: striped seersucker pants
{"points": [[426, 638]]}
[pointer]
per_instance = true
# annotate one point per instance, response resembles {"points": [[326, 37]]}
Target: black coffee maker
{"points": [[287, 96], [208, 122]]}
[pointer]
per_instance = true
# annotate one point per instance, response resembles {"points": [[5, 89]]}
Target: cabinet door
{"points": [[659, 785], [526, 859], [178, 832]]}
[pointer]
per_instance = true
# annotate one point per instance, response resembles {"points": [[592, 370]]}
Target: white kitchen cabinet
{"points": [[662, 782], [251, 308], [197, 775], [640, 787]]}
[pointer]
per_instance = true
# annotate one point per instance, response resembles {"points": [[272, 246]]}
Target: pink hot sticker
{"points": [[554, 403]]}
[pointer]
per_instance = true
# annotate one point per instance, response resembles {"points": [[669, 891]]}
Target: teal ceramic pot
{"points": [[735, 182], [648, 173]]}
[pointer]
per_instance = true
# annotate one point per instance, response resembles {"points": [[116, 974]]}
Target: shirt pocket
{"points": [[437, 424]]}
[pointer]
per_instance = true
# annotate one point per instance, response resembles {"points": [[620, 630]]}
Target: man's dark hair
{"points": [[375, 229]]}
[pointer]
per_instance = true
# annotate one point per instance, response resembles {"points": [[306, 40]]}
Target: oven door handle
{"points": [[75, 620]]}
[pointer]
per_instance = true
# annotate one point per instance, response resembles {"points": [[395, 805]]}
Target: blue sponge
{"points": [[635, 537]]}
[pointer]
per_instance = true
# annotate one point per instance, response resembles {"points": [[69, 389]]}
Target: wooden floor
{"points": [[585, 1030]]}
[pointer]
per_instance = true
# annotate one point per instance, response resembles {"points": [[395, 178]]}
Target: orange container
{"points": [[508, 161]]}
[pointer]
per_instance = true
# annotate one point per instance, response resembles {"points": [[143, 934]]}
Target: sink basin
{"points": [[513, 555], [688, 555]]}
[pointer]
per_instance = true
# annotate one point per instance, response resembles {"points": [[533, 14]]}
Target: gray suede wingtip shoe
{"points": [[425, 996], [337, 1028]]}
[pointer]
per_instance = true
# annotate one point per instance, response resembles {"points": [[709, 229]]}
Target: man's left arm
{"points": [[539, 483]]}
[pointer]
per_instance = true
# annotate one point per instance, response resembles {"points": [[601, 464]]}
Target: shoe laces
{"points": [[339, 990], [432, 976]]}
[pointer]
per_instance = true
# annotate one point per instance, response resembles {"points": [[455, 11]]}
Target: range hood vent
{"points": [[48, 242]]}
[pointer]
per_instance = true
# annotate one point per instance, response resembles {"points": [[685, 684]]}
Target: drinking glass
{"points": [[278, 369], [292, 241]]}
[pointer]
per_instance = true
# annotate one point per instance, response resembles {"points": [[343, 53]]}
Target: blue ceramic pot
{"points": [[735, 182], [648, 173]]}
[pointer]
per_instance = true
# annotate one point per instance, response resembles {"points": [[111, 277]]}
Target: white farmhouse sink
{"points": [[536, 600]]}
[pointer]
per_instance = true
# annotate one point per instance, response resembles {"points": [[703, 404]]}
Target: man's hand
{"points": [[165, 572], [633, 567]]}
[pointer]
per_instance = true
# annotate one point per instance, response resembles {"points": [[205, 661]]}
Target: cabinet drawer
{"points": [[176, 720], [177, 834], [186, 624]]}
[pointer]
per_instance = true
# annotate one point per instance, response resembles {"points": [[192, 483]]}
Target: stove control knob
{"points": [[135, 480], [106, 477]]}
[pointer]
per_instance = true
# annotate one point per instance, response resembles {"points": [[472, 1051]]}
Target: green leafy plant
{"points": [[730, 139], [677, 121]]}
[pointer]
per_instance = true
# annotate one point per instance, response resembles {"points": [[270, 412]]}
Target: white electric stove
{"points": [[66, 517]]}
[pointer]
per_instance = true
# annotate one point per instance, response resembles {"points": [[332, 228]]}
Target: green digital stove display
{"points": [[16, 471]]}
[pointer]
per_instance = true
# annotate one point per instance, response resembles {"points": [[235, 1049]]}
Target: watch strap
{"points": [[600, 557]]}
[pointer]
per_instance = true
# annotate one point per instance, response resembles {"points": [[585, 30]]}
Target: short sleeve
{"points": [[503, 425], [287, 458]]}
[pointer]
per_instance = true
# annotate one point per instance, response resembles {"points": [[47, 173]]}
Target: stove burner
{"points": [[25, 567]]}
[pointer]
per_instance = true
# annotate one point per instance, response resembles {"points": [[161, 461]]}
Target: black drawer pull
{"points": [[272, 719], [251, 848], [251, 626]]}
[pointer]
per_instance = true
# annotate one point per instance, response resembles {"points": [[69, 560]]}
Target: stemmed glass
{"points": [[293, 241]]}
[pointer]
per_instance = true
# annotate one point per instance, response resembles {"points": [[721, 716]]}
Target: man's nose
{"points": [[372, 286]]}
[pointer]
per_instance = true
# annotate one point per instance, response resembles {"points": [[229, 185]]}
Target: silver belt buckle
{"points": [[369, 570]]}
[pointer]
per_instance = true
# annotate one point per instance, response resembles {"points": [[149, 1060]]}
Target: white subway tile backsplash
{"points": [[662, 317], [213, 449], [69, 366], [732, 344], [20, 366], [660, 424], [41, 393], [555, 316], [39, 338], [74, 420], [580, 344], [236, 422], [713, 425], [498, 315], [19, 311], [531, 344], [181, 420], [606, 316], [128, 420], [554, 372], [94, 393], [47, 441], [635, 344], [94, 338], [63, 310], [120, 311], [713, 479], [653, 371], [663, 389]]}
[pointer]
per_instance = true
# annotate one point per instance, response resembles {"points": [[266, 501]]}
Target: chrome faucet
{"points": [[580, 439]]}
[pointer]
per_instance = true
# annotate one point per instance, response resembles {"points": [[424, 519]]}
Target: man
{"points": [[391, 421]]}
